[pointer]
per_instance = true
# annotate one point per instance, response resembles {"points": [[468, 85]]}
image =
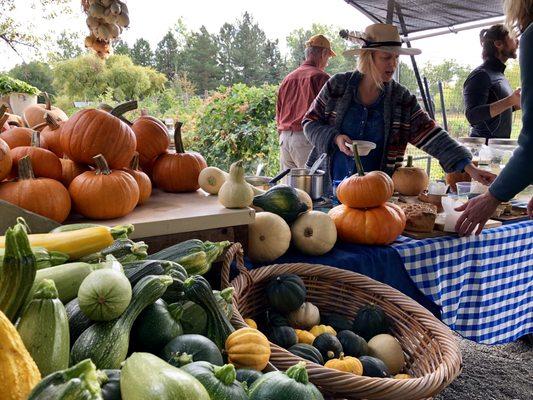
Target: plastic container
{"points": [[363, 147], [474, 144]]}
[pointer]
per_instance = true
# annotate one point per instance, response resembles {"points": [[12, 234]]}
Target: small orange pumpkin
{"points": [[17, 137], [43, 196], [104, 194], [362, 191], [6, 161], [143, 181], [34, 115], [152, 138], [409, 180], [91, 132], [45, 164], [179, 171], [377, 225], [70, 170], [51, 133]]}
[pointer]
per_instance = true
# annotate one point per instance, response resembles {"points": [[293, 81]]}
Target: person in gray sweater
{"points": [[369, 105], [518, 173]]}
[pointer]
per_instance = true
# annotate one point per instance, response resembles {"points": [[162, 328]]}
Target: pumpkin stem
{"points": [[105, 107], [35, 139], [181, 359], [298, 373], [176, 311], [102, 168], [225, 374], [124, 108], [178, 142], [51, 121], [134, 165], [47, 102], [121, 231], [25, 168], [341, 356], [46, 289], [227, 294], [358, 163], [409, 161]]}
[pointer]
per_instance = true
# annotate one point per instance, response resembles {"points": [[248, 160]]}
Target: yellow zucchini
{"points": [[76, 244]]}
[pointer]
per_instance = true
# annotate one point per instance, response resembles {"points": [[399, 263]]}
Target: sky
{"points": [[152, 19]]}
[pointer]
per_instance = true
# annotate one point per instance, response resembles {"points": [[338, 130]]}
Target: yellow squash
{"points": [[248, 348], [305, 336], [320, 329], [251, 323], [346, 364]]}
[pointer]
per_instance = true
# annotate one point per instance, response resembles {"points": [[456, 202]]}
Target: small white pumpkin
{"points": [[314, 233], [305, 198], [305, 317], [269, 237], [236, 192], [211, 179], [387, 349]]}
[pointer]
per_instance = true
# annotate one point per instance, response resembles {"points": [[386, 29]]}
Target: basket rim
{"points": [[372, 388]]}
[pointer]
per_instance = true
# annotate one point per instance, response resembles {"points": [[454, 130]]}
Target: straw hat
{"points": [[381, 37], [320, 41]]}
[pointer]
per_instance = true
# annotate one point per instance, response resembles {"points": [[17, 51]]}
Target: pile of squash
{"points": [[119, 324], [365, 216], [362, 345], [90, 163]]}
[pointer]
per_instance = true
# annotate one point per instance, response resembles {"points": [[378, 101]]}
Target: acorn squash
{"points": [[307, 352], [281, 200], [286, 293]]}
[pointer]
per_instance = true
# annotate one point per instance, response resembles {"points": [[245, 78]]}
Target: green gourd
{"points": [[219, 381], [248, 376], [370, 321], [194, 318], [307, 352], [281, 200], [196, 347], [283, 336], [286, 292]]}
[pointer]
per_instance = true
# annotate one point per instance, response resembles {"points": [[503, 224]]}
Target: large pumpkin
{"points": [[409, 180], [362, 191], [6, 161], [143, 181], [51, 133], [45, 163], [179, 171], [91, 132], [104, 194], [70, 170], [152, 138], [43, 196], [34, 115], [378, 225]]}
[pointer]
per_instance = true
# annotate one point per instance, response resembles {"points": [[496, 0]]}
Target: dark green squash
{"points": [[274, 318], [281, 200], [292, 384], [336, 321], [137, 270], [248, 376], [370, 321], [193, 318], [307, 352], [157, 325], [77, 320], [283, 336], [328, 345], [178, 273], [197, 346], [219, 381], [374, 367], [111, 387], [286, 293], [352, 344]]}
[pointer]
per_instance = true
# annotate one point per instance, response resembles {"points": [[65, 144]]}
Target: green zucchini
{"points": [[78, 322], [193, 319], [124, 250], [225, 300], [17, 273], [81, 381], [198, 290], [43, 257], [43, 328], [119, 231], [106, 343]]}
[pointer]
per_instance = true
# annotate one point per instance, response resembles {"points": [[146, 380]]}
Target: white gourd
{"points": [[387, 349], [235, 192], [269, 237], [211, 179], [305, 317], [314, 233]]}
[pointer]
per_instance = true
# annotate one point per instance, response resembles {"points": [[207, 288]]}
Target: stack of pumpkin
{"points": [[93, 155], [365, 216], [362, 345]]}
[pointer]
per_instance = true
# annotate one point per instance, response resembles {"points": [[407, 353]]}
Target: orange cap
{"points": [[320, 41]]}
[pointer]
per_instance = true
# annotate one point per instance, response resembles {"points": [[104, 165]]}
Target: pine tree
{"points": [[167, 56], [121, 47], [141, 53]]}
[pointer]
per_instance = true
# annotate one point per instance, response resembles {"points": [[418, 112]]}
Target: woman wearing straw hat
{"points": [[369, 105]]}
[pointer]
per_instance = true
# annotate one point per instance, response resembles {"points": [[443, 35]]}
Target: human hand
{"points": [[530, 208], [340, 140], [515, 98], [480, 175], [476, 212]]}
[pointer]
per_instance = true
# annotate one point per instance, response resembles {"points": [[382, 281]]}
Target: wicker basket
{"points": [[432, 354]]}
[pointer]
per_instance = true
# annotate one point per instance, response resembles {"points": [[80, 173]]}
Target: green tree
{"points": [[120, 47], [36, 73], [225, 53], [67, 46], [200, 60], [167, 60], [275, 67], [141, 53], [81, 78]]}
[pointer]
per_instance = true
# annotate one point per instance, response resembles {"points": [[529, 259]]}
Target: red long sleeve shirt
{"points": [[295, 95]]}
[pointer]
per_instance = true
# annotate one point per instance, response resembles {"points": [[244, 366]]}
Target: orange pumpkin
{"points": [[362, 191], [91, 132], [409, 180], [45, 163], [179, 171], [43, 196], [143, 181], [70, 170], [104, 194], [51, 133], [378, 225], [6, 161], [34, 115], [152, 138], [16, 137], [4, 126]]}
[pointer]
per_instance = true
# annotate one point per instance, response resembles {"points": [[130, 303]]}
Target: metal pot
{"points": [[300, 178]]}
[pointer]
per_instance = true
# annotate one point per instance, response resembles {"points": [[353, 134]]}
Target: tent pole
{"points": [[390, 11], [453, 29], [443, 107], [428, 93]]}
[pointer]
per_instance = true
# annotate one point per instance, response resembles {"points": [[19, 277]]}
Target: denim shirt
{"points": [[361, 123]]}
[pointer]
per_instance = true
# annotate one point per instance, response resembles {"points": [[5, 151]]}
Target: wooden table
{"points": [[168, 218]]}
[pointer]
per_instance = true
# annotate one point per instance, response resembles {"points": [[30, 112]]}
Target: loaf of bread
{"points": [[420, 217]]}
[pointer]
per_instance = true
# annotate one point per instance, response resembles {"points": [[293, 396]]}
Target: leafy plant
{"points": [[12, 85]]}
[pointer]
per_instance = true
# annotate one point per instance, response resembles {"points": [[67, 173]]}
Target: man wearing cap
{"points": [[296, 93]]}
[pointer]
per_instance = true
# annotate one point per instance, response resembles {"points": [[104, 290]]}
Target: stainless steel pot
{"points": [[300, 178]]}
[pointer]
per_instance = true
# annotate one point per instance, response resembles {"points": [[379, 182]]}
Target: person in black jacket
{"points": [[488, 96]]}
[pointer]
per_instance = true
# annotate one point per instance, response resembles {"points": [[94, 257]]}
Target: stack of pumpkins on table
{"points": [[118, 324], [362, 345], [284, 215], [91, 161]]}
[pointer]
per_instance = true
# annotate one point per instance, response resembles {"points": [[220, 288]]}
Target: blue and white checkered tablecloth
{"points": [[484, 283]]}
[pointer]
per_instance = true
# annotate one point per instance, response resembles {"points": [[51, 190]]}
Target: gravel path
{"points": [[503, 372]]}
